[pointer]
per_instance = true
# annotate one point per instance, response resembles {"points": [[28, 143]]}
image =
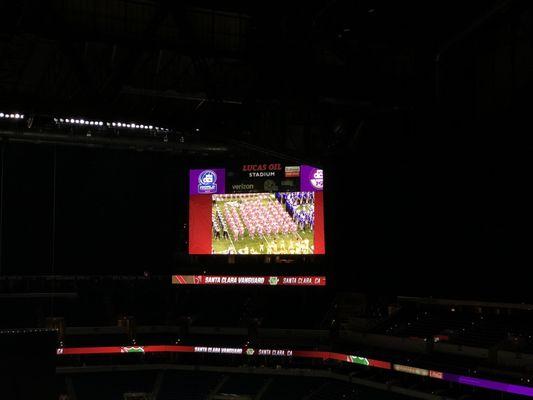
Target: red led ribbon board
{"points": [[323, 355], [249, 280]]}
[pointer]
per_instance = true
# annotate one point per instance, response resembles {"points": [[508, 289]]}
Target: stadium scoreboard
{"points": [[261, 208]]}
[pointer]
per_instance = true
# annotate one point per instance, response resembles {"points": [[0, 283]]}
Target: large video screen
{"points": [[256, 209]]}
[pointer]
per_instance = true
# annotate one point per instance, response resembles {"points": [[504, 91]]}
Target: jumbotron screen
{"points": [[256, 209]]}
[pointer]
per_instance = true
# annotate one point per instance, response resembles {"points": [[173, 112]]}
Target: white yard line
{"points": [[263, 236], [234, 248], [229, 234], [266, 240]]}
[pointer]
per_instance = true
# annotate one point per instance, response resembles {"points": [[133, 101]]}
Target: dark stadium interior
{"points": [[419, 114]]}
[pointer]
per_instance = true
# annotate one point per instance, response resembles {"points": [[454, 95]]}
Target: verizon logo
{"points": [[242, 186]]}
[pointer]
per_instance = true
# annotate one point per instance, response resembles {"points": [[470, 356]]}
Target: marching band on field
{"points": [[249, 214]]}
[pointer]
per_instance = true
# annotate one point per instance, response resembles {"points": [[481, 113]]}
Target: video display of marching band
{"points": [[256, 209], [263, 223]]}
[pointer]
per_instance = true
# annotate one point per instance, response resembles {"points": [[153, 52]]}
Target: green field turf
{"points": [[222, 246]]}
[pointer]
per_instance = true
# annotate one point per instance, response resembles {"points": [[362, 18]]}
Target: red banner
{"points": [[200, 224], [249, 280], [248, 351], [320, 243], [322, 355], [379, 364]]}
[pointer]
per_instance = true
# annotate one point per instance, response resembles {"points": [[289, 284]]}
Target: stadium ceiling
{"points": [[272, 73]]}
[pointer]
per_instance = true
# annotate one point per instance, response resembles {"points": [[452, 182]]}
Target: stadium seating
{"points": [[201, 385], [187, 385], [289, 388], [463, 328], [112, 386], [243, 384]]}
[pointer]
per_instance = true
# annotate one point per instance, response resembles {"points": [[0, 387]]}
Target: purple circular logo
{"points": [[316, 177], [207, 181]]}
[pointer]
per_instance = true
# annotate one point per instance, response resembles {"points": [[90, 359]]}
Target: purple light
{"points": [[487, 384]]}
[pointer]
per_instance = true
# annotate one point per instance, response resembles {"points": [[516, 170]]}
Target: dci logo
{"points": [[317, 179], [207, 182]]}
